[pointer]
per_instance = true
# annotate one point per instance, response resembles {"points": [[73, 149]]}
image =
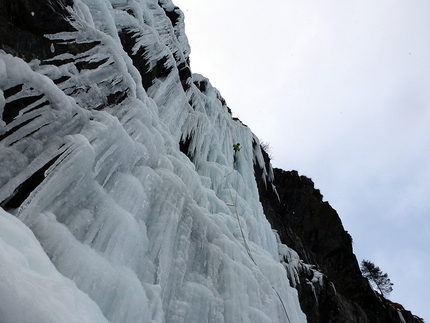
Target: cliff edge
{"points": [[312, 228]]}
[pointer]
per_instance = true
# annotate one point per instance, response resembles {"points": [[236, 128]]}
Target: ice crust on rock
{"points": [[136, 229]]}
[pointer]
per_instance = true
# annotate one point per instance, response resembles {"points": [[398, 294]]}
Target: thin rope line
{"points": [[250, 253], [241, 230]]}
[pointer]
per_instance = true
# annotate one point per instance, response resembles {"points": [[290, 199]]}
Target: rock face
{"points": [[121, 162], [314, 230]]}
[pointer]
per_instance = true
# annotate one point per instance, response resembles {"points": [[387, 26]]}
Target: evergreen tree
{"points": [[376, 277]]}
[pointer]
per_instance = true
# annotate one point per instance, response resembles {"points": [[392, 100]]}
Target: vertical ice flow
{"points": [[141, 206]]}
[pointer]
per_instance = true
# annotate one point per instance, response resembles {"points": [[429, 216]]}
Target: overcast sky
{"points": [[341, 92]]}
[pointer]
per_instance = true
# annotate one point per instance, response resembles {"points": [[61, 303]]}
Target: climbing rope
{"points": [[241, 230], [248, 250]]}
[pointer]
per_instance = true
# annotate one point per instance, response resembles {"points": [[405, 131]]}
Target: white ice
{"points": [[137, 230], [31, 289]]}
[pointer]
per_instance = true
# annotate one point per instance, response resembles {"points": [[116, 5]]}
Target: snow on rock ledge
{"points": [[121, 162]]}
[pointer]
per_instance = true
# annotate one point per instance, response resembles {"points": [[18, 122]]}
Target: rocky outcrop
{"points": [[310, 226]]}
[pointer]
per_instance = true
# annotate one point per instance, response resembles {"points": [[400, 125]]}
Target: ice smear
{"points": [[149, 233]]}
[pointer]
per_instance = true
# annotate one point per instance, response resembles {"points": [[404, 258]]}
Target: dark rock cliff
{"points": [[310, 226]]}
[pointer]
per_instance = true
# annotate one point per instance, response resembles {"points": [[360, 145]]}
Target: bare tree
{"points": [[376, 277], [267, 149]]}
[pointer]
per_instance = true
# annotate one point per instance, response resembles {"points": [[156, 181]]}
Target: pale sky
{"points": [[341, 92]]}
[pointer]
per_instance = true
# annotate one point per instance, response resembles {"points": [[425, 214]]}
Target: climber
{"points": [[236, 148]]}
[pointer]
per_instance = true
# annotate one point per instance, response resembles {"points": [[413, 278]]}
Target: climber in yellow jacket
{"points": [[236, 148]]}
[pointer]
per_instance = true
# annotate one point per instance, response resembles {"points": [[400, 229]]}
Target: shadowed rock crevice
{"points": [[141, 62], [173, 15], [184, 146], [24, 24], [12, 109], [25, 188]]}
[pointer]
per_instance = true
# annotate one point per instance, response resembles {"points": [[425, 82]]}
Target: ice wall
{"points": [[121, 163]]}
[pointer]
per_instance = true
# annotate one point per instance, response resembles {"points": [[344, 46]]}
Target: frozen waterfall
{"points": [[122, 200]]}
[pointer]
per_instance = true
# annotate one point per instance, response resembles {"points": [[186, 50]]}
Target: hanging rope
{"points": [[248, 250], [241, 230]]}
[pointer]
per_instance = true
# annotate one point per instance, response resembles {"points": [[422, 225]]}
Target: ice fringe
{"points": [[137, 225]]}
